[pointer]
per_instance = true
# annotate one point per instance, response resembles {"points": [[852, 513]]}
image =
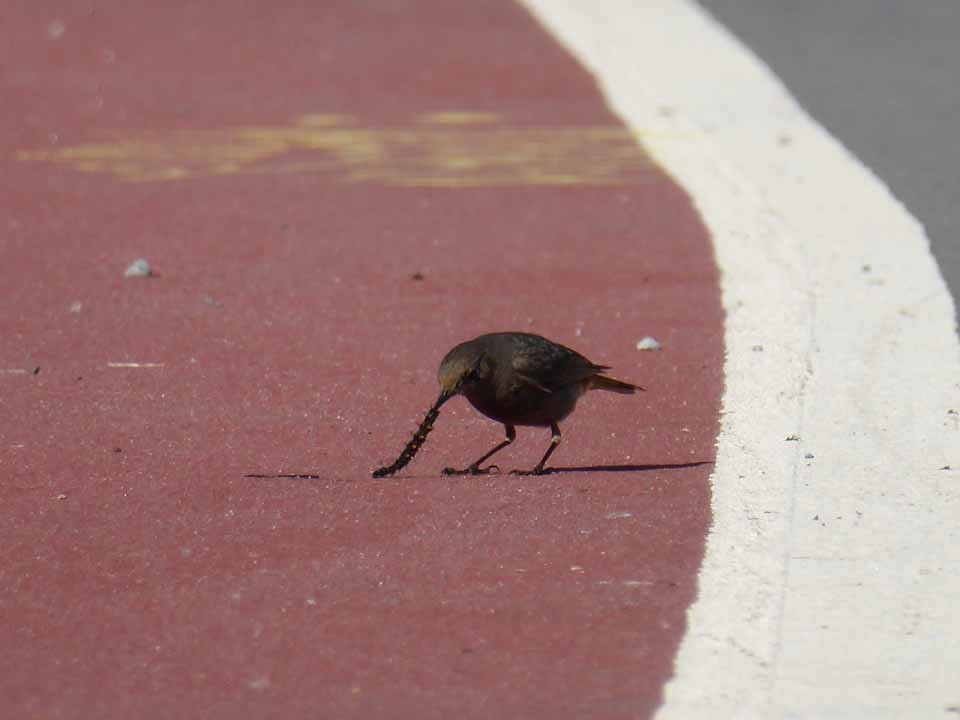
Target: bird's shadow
{"points": [[546, 471], [284, 476], [625, 468]]}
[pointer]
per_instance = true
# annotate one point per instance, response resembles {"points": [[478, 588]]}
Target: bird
{"points": [[518, 378], [515, 378]]}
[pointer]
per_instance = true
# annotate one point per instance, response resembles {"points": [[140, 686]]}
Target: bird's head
{"points": [[462, 368]]}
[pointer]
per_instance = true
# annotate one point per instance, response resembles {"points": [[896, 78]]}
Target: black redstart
{"points": [[514, 378]]}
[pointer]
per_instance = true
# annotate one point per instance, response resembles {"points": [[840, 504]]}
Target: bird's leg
{"points": [[475, 468], [554, 442]]}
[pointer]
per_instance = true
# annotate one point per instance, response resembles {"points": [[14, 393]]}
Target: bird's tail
{"points": [[601, 382]]}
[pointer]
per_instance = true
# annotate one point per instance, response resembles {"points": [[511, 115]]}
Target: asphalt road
{"points": [[882, 77], [330, 202], [825, 590]]}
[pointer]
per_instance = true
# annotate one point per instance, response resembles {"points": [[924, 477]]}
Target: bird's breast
{"points": [[523, 404]]}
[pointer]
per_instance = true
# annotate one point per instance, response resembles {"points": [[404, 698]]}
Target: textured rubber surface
{"points": [[330, 199]]}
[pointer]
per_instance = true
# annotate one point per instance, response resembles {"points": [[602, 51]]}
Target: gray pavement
{"points": [[881, 75]]}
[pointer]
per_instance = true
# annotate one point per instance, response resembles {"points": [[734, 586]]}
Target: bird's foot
{"points": [[473, 470], [536, 471]]}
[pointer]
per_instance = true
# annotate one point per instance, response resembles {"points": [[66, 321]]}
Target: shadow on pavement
{"points": [[626, 468], [546, 471]]}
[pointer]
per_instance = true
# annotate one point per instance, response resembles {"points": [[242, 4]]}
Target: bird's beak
{"points": [[444, 396]]}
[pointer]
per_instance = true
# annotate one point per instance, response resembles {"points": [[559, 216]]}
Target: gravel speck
{"points": [[139, 268]]}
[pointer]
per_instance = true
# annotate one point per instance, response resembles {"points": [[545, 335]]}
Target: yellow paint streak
{"points": [[324, 119], [458, 118], [454, 149]]}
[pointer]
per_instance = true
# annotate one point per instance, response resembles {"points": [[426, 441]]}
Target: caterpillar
{"points": [[418, 439]]}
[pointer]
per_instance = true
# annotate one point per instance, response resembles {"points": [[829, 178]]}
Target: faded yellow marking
{"points": [[324, 119], [459, 118], [453, 149]]}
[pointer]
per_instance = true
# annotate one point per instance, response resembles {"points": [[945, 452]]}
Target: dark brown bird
{"points": [[516, 379]]}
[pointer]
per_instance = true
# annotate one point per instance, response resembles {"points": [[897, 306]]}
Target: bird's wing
{"points": [[532, 381], [548, 368]]}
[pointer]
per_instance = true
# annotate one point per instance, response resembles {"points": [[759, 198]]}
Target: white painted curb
{"points": [[831, 583]]}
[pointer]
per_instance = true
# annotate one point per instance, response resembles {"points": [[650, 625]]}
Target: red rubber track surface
{"points": [[302, 301]]}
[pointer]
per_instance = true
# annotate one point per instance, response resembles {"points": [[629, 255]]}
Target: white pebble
{"points": [[648, 343], [56, 28], [139, 268]]}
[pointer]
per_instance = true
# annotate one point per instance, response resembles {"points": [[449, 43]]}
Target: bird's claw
{"points": [[473, 470], [536, 471]]}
